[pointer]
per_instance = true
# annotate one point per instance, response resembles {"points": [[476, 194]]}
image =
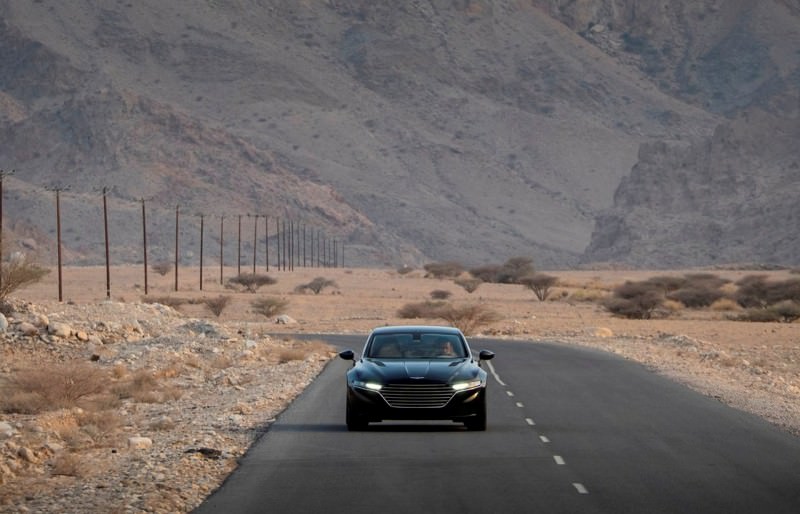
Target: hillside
{"points": [[418, 131]]}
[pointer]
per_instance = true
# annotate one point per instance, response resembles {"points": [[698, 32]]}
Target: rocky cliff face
{"points": [[728, 198], [412, 131]]}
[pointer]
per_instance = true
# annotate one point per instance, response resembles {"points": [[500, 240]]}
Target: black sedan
{"points": [[416, 372]]}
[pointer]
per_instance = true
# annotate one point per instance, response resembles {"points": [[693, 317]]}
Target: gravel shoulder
{"points": [[184, 394]]}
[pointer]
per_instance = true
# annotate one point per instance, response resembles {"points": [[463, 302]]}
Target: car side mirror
{"points": [[486, 355], [347, 355]]}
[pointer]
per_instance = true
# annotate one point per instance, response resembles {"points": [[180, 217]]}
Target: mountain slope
{"points": [[411, 131]]}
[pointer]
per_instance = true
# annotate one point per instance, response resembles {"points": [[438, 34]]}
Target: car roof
{"points": [[416, 328]]}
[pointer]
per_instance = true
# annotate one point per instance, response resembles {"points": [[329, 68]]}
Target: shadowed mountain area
{"points": [[575, 132]]}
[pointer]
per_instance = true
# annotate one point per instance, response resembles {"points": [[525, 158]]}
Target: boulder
{"points": [[59, 329], [27, 329], [284, 319], [140, 443], [6, 430], [3, 323]]}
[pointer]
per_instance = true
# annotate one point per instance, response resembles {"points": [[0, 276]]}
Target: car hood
{"points": [[440, 371]]}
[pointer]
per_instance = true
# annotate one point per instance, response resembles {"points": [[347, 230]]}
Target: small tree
{"points": [[251, 281], [316, 285], [269, 306], [440, 294], [162, 267], [217, 305], [468, 318], [635, 300], [447, 269], [540, 283], [470, 285], [515, 269], [17, 273]]}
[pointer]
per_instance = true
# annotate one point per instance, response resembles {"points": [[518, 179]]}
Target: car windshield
{"points": [[416, 346]]}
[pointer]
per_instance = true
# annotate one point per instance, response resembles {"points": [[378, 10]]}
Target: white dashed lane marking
{"points": [[529, 421], [494, 373], [559, 460], [510, 394], [544, 439], [519, 404], [580, 488]]}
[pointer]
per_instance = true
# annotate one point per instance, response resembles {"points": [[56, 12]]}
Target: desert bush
{"points": [[162, 267], [786, 311], [269, 306], [17, 273], [470, 285], [752, 291], [169, 301], [291, 354], [404, 270], [487, 273], [634, 300], [251, 282], [540, 283], [69, 464], [588, 295], [447, 269], [316, 286], [695, 297], [426, 310], [440, 294], [515, 269], [667, 283], [468, 318], [705, 280], [217, 305], [784, 290], [725, 304], [52, 386]]}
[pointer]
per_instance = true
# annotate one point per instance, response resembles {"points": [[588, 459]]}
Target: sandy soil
{"points": [[213, 362]]}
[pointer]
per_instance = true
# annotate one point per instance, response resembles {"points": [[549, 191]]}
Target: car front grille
{"points": [[417, 396]]}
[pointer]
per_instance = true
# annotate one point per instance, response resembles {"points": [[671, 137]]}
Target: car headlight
{"points": [[374, 386], [460, 386]]}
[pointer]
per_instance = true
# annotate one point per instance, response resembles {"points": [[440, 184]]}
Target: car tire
{"points": [[478, 422], [355, 421]]}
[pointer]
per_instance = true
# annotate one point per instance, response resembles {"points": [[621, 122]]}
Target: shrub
{"points": [[696, 297], [752, 291], [419, 310], [448, 269], [515, 269], [17, 273], [217, 305], [251, 282], [786, 312], [440, 294], [725, 304], [470, 285], [169, 301], [162, 267], [540, 284], [667, 283], [468, 318], [706, 280], [269, 306], [634, 300], [316, 285], [403, 270], [486, 273], [53, 386]]}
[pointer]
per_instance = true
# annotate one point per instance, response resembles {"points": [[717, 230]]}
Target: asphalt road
{"points": [[571, 430]]}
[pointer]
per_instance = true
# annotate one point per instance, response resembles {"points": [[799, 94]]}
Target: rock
{"points": [[6, 430], [27, 329], [42, 320], [82, 336], [284, 319], [140, 443], [59, 330], [603, 332], [3, 323], [27, 455]]}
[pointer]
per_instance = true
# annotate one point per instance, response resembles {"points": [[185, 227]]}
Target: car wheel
{"points": [[478, 422], [354, 420]]}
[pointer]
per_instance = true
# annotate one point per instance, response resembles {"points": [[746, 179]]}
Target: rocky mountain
{"points": [[410, 131]]}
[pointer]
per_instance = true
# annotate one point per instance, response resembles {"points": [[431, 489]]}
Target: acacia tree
{"points": [[19, 272], [540, 283]]}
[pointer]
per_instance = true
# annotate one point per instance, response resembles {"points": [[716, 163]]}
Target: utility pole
{"points": [[58, 190], [266, 239], [177, 253], [3, 174], [108, 260], [239, 251], [144, 244], [202, 217], [221, 237], [255, 240]]}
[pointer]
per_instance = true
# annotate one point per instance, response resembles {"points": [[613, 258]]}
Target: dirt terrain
{"points": [[192, 391]]}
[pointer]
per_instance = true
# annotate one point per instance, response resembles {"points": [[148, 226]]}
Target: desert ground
{"points": [[219, 381]]}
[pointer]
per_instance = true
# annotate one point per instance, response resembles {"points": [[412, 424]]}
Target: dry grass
{"points": [[69, 464], [52, 386]]}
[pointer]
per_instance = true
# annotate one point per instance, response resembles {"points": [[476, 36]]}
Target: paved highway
{"points": [[570, 430]]}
